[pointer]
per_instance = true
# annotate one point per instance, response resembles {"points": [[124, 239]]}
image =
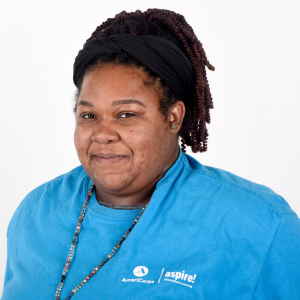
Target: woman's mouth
{"points": [[108, 159]]}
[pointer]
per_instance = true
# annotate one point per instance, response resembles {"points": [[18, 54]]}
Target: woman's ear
{"points": [[176, 115]]}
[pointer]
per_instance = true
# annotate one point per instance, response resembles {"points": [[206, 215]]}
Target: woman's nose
{"points": [[105, 134]]}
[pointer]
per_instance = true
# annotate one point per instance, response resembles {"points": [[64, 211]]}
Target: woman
{"points": [[140, 219]]}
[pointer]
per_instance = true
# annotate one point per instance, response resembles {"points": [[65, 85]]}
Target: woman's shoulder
{"points": [[240, 205], [60, 184], [58, 192], [231, 186]]}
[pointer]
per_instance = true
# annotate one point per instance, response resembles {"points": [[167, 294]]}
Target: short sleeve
{"points": [[12, 238], [280, 274], [8, 272]]}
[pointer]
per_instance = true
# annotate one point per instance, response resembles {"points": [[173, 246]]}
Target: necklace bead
{"points": [[70, 256]]}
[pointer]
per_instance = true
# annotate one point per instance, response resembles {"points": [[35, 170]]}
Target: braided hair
{"points": [[160, 22]]}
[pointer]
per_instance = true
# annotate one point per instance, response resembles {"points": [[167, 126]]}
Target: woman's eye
{"points": [[125, 115], [88, 116]]}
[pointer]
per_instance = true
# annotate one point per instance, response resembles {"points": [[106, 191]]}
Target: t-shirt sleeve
{"points": [[280, 274], [12, 238], [8, 272]]}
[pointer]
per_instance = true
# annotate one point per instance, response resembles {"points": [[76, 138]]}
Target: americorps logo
{"points": [[140, 271]]}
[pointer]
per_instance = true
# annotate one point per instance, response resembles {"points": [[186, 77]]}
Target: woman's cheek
{"points": [[81, 139]]}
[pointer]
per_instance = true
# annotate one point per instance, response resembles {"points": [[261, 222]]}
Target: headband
{"points": [[161, 55]]}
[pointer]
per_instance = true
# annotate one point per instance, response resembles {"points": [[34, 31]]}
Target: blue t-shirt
{"points": [[206, 234]]}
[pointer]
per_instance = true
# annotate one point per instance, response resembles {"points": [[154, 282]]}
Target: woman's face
{"points": [[122, 139]]}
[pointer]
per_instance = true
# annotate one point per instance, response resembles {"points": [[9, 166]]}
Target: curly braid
{"points": [[160, 22]]}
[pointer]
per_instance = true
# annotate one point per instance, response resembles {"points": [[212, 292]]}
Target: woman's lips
{"points": [[109, 160]]}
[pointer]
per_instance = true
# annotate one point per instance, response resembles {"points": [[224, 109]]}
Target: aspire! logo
{"points": [[179, 277]]}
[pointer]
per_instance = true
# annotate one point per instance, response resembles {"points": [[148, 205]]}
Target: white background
{"points": [[254, 46]]}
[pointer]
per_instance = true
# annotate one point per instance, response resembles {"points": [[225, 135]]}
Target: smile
{"points": [[108, 160]]}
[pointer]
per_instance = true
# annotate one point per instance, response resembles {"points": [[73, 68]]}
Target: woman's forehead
{"points": [[119, 84]]}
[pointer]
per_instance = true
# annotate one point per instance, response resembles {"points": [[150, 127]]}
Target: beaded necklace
{"points": [[109, 256]]}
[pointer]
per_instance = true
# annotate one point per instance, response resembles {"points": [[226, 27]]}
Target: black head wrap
{"points": [[161, 55]]}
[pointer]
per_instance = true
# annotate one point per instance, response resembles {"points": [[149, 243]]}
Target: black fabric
{"points": [[161, 55]]}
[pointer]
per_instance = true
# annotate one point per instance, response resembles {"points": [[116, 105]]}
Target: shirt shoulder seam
{"points": [[54, 180], [261, 198]]}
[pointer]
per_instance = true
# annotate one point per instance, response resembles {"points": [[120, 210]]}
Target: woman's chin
{"points": [[113, 182]]}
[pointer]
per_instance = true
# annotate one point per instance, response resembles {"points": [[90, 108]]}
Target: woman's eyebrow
{"points": [[128, 101], [85, 103]]}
